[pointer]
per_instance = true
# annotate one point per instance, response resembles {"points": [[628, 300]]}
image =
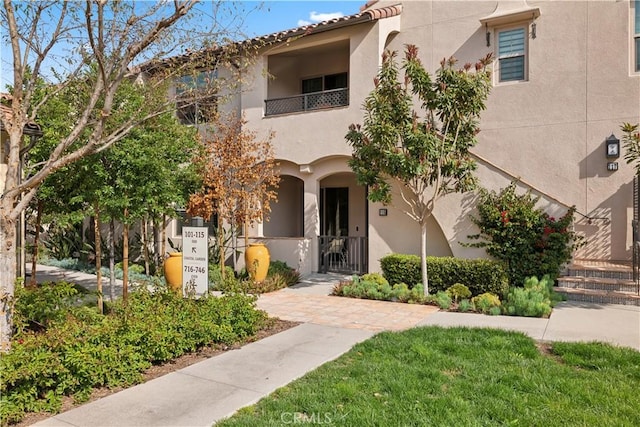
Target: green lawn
{"points": [[460, 377]]}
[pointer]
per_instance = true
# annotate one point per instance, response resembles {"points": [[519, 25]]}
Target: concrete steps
{"points": [[599, 282]]}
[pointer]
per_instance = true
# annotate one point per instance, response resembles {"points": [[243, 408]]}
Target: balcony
{"points": [[307, 102]]}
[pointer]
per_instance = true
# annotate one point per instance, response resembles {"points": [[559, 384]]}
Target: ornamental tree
{"points": [[239, 178], [93, 46], [417, 133]]}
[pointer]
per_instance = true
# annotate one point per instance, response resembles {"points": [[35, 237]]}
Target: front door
{"points": [[339, 252], [334, 211]]}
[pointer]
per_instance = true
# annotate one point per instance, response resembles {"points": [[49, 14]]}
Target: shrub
{"points": [[465, 305], [528, 240], [271, 283], [38, 307], [486, 302], [417, 294], [338, 289], [401, 268], [279, 276], [375, 277], [358, 287], [89, 350], [290, 275], [443, 300], [480, 275], [215, 276], [458, 291], [401, 292], [533, 300], [132, 268], [495, 311], [374, 286]]}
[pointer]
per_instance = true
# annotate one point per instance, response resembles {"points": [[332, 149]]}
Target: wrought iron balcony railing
{"points": [[307, 102]]}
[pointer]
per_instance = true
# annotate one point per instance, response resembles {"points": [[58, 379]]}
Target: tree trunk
{"points": [[156, 245], [145, 244], [423, 256], [234, 244], [164, 241], [112, 260], [7, 284], [98, 238], [221, 246], [125, 256], [36, 243]]}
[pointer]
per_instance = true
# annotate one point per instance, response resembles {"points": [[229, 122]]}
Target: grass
{"points": [[460, 377]]}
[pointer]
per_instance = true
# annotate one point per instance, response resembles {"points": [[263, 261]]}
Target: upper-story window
{"points": [[636, 37], [509, 30], [196, 98], [512, 61]]}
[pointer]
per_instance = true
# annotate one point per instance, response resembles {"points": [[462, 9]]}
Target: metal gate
{"points": [[343, 254]]}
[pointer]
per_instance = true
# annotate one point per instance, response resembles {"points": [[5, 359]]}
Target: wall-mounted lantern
{"points": [[613, 147], [382, 212], [613, 152]]}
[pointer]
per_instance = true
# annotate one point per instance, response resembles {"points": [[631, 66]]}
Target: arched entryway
{"points": [[342, 242]]}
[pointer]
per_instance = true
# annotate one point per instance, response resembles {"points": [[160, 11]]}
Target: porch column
{"points": [[312, 219]]}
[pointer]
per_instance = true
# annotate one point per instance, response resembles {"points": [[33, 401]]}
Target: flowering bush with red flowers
{"points": [[527, 239]]}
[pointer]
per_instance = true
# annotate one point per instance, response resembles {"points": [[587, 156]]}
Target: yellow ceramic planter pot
{"points": [[257, 259], [173, 271]]}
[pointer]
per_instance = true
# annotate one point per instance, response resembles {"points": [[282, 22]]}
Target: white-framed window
{"points": [[636, 35], [512, 54]]}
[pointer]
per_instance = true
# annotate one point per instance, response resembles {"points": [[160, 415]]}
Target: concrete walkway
{"points": [[206, 392], [48, 273]]}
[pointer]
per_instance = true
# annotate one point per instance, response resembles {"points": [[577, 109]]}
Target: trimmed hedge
{"points": [[479, 275]]}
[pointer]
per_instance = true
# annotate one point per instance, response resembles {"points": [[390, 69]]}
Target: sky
{"points": [[259, 18], [283, 15]]}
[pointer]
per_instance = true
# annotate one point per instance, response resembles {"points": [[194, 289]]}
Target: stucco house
{"points": [[566, 75]]}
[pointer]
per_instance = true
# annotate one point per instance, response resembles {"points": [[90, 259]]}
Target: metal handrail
{"points": [[307, 102]]}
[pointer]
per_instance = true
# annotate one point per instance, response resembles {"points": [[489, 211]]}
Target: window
{"points": [[511, 54], [196, 100], [312, 85], [636, 36], [328, 82]]}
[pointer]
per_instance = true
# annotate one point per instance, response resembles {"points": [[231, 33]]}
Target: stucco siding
{"points": [[548, 130]]}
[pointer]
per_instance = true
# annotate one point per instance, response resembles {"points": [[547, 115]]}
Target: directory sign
{"points": [[195, 260]]}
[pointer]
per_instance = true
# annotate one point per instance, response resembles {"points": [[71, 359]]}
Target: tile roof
{"points": [[363, 16], [207, 53]]}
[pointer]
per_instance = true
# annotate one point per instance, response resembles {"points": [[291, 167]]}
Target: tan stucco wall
{"points": [[548, 130]]}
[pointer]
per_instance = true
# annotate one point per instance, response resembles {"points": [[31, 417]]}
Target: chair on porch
{"points": [[336, 252]]}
